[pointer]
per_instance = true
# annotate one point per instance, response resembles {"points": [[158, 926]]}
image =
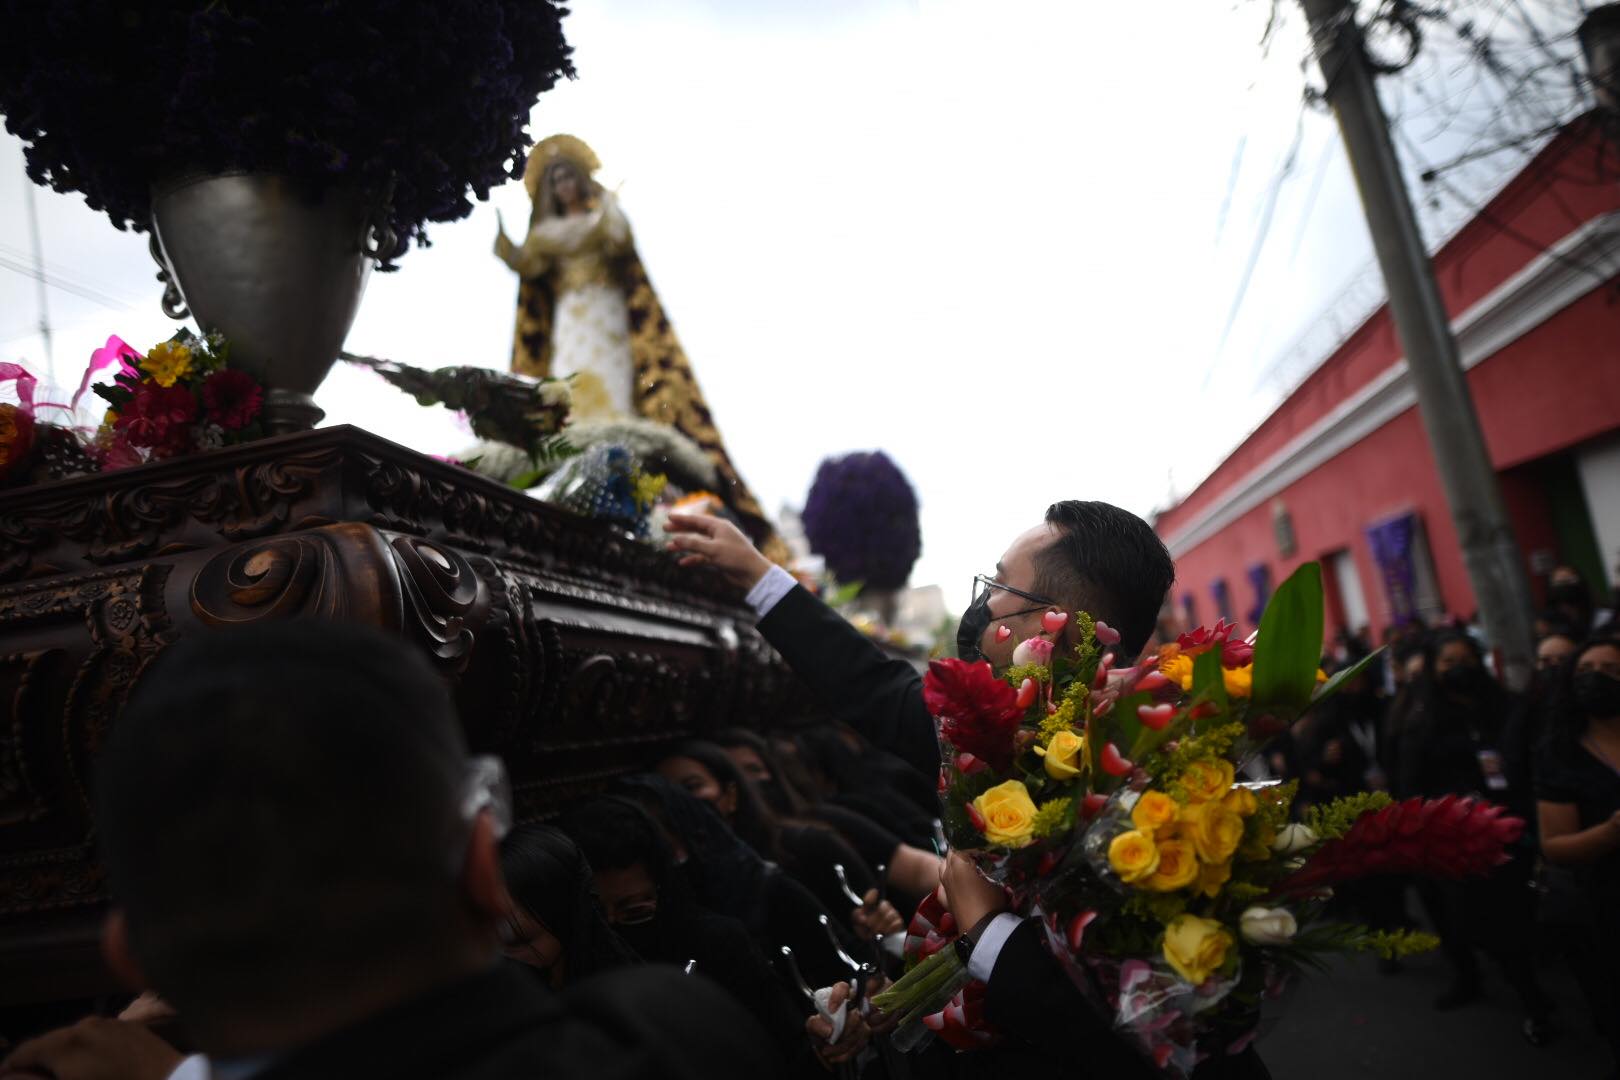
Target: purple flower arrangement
{"points": [[861, 516], [418, 102]]}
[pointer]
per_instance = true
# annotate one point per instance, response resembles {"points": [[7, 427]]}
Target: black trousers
{"points": [[1495, 915]]}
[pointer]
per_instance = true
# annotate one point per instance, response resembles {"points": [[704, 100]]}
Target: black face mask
{"points": [[1465, 680], [775, 796], [975, 621], [1597, 694], [643, 937]]}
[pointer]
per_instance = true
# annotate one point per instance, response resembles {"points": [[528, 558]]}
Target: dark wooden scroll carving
{"points": [[574, 652]]}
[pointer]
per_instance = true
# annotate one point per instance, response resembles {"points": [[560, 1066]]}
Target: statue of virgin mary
{"points": [[586, 307]]}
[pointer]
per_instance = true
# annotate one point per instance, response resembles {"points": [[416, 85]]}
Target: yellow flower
{"points": [[1208, 780], [1178, 668], [1178, 867], [1133, 856], [167, 363], [1212, 878], [1241, 801], [1062, 755], [1217, 831], [1321, 676], [1239, 681], [1153, 811], [1008, 813], [1195, 947]]}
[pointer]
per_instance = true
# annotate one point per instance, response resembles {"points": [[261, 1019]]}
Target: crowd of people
{"points": [[321, 882], [1430, 718]]}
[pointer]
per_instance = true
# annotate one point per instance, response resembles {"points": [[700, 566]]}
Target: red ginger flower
{"points": [[1452, 837], [1204, 639], [978, 713], [232, 398]]}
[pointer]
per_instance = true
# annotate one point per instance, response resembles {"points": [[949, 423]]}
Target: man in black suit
{"points": [[1085, 556], [303, 861]]}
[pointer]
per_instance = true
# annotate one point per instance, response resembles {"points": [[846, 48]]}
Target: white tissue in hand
{"points": [[823, 997]]}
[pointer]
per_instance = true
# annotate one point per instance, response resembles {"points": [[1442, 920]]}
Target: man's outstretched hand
{"points": [[703, 538]]}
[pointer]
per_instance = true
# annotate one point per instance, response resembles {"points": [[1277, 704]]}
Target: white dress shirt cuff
{"points": [[982, 961], [769, 590]]}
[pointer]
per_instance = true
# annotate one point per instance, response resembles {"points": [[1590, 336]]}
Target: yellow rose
{"points": [[1178, 669], [1133, 856], [167, 363], [1062, 755], [1239, 681], [1212, 878], [1008, 813], [1217, 831], [1241, 801], [1153, 811], [1195, 947], [1178, 867], [1208, 780]]}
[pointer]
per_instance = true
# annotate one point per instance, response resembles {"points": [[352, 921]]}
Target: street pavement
{"points": [[1355, 1022]]}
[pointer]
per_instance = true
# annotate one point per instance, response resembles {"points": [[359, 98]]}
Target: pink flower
{"points": [[1035, 650]]}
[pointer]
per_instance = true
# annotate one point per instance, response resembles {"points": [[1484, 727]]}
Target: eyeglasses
{"points": [[983, 584]]}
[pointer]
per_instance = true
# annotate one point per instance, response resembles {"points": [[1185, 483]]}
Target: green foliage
{"points": [[1337, 682], [1086, 652], [1216, 742], [1053, 817], [1016, 674], [1348, 937], [1241, 892], [839, 593], [1289, 647], [1332, 820], [1064, 719], [1155, 906], [1208, 682], [1275, 803]]}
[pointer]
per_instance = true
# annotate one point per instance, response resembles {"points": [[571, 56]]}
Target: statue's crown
{"points": [[553, 149]]}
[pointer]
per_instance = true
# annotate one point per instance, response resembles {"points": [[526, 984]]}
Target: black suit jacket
{"points": [[631, 1024], [877, 694]]}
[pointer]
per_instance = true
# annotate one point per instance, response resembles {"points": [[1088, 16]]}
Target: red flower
{"points": [[1236, 654], [1204, 639], [159, 419], [978, 713], [232, 398], [1449, 838]]}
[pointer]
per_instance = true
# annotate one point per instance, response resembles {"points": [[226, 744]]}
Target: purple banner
{"points": [[1260, 580], [1391, 544]]}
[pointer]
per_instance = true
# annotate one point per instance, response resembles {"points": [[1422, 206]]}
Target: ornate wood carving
{"points": [[574, 652]]}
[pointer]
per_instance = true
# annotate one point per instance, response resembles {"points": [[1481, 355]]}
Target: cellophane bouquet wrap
{"points": [[1107, 804]]}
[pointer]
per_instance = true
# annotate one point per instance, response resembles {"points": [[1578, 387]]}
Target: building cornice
{"points": [[1550, 282]]}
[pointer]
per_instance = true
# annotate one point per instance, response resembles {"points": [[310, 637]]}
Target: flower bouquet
{"points": [[1105, 802], [180, 397]]}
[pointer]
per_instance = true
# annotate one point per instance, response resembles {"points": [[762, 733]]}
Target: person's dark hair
{"points": [[1568, 720], [550, 877], [1436, 643], [279, 809], [753, 821], [614, 833], [1107, 562], [784, 798]]}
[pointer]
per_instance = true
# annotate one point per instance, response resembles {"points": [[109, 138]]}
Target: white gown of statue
{"points": [[590, 329]]}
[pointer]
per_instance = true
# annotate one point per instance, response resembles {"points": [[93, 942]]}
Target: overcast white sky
{"points": [[1000, 242]]}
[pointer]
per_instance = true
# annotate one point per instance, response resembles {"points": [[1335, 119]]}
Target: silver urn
{"points": [[275, 271]]}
